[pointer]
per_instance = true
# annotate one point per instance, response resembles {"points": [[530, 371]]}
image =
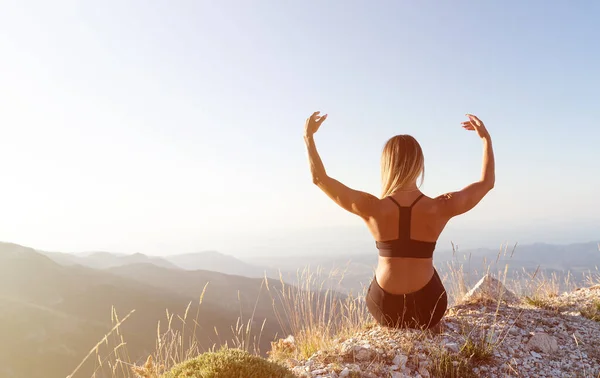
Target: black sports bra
{"points": [[404, 246]]}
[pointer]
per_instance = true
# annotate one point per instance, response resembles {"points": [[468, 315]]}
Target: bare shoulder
{"points": [[436, 207], [429, 204]]}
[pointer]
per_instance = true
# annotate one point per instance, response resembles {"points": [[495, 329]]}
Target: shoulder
{"points": [[435, 206]]}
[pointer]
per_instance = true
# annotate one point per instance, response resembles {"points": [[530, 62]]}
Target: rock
{"points": [[535, 355], [452, 347], [363, 354], [424, 372], [300, 371], [490, 289], [400, 361], [542, 342], [528, 342]]}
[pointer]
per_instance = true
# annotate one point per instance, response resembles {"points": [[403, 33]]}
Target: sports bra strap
{"points": [[404, 218], [416, 200], [411, 205], [394, 201]]}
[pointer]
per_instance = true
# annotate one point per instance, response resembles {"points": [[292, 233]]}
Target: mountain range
{"points": [[51, 315], [55, 306]]}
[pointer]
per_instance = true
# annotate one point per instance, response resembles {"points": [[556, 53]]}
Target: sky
{"points": [[171, 127]]}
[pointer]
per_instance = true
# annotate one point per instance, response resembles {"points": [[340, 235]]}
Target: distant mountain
{"points": [[105, 260], [353, 272], [53, 314], [219, 262]]}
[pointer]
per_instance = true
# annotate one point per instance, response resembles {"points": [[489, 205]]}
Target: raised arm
{"points": [[456, 203], [363, 204]]}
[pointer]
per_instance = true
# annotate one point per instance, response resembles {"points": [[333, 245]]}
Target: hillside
{"points": [[54, 314], [229, 293], [491, 332]]}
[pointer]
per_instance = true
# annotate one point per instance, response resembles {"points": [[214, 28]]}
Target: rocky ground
{"points": [[482, 337]]}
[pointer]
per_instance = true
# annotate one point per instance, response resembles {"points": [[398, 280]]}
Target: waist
{"points": [[399, 275]]}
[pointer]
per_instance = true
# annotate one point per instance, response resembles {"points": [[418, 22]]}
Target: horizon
{"points": [[176, 128], [243, 257]]}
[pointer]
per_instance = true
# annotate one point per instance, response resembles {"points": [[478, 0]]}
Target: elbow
{"points": [[490, 184], [318, 179]]}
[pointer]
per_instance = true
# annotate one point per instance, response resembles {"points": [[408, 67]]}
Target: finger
{"points": [[315, 114], [475, 119], [321, 119]]}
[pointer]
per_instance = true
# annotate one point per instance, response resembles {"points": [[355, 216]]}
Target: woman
{"points": [[406, 291]]}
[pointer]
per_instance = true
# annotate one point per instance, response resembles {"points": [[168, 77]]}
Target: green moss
{"points": [[228, 363]]}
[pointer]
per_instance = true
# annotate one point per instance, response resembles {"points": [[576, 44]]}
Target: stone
{"points": [[490, 289], [400, 361], [535, 355], [452, 347], [542, 342], [363, 354]]}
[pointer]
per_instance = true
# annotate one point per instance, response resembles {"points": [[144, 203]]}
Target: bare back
{"points": [[401, 275]]}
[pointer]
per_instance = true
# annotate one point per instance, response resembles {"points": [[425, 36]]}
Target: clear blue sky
{"points": [[177, 126]]}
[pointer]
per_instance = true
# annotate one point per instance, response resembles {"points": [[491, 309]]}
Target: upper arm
{"points": [[456, 203], [363, 204]]}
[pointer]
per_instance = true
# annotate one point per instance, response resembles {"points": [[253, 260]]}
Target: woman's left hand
{"points": [[313, 123]]}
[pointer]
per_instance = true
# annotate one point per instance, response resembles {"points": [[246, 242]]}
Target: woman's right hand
{"points": [[475, 123]]}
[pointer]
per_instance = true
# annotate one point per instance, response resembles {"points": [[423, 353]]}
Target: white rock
{"points": [[400, 361], [489, 288], [300, 370], [364, 354], [344, 373], [535, 355], [453, 347]]}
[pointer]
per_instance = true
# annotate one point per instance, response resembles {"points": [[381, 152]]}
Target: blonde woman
{"points": [[406, 291]]}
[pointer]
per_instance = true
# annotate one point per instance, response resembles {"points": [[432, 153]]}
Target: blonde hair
{"points": [[402, 163]]}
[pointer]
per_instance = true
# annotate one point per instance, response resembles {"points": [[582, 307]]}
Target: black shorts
{"points": [[420, 309]]}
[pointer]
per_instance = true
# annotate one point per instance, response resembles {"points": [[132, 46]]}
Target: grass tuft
{"points": [[226, 363], [592, 311], [316, 317]]}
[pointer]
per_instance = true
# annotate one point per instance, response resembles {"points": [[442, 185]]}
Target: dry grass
{"points": [[315, 316], [592, 311], [176, 342]]}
